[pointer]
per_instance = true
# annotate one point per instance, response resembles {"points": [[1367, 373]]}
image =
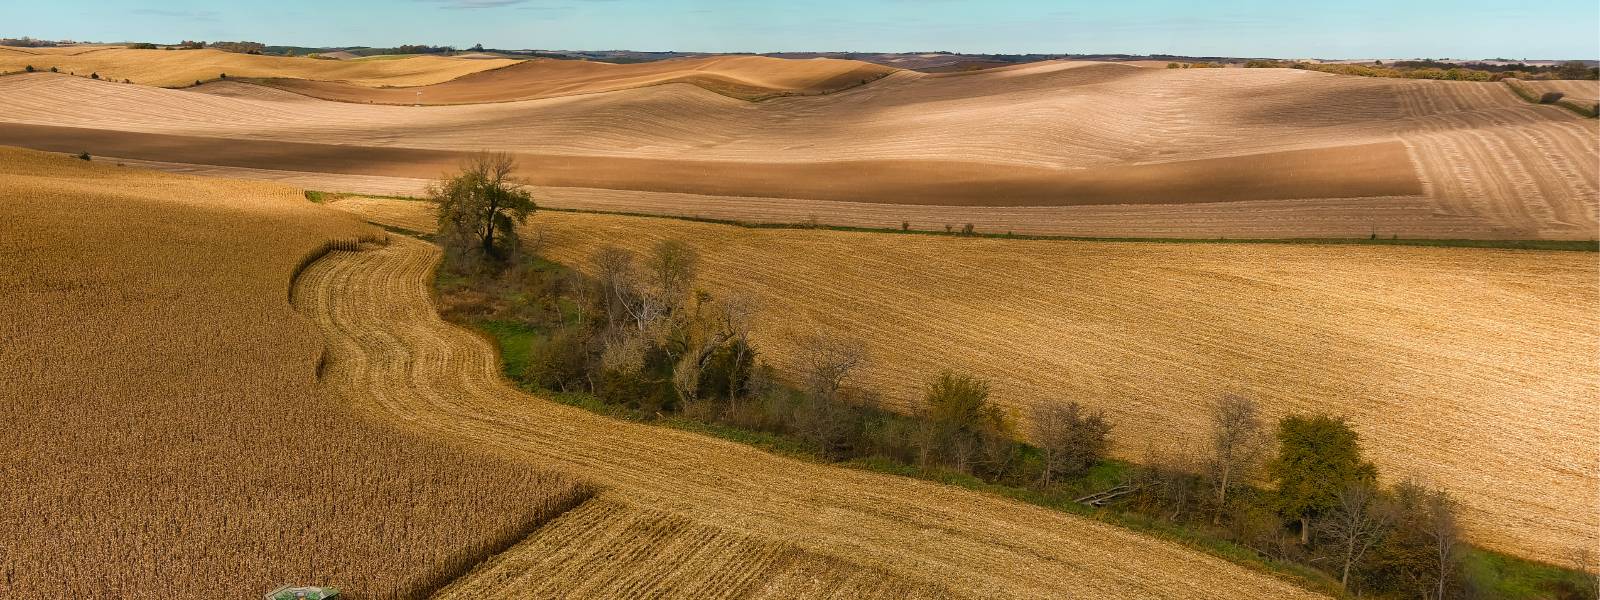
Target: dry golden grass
{"points": [[178, 68], [392, 355], [609, 548], [1489, 164], [1472, 370], [164, 430]]}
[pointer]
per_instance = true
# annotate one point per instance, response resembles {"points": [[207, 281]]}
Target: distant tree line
{"points": [[1430, 69], [634, 333]]}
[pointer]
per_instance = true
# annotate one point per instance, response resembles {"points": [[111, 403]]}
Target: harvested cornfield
{"points": [[1457, 366], [179, 68], [391, 355], [164, 429], [608, 548]]}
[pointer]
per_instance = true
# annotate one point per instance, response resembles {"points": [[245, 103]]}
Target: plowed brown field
{"points": [[1477, 163], [1472, 370], [177, 68], [390, 354]]}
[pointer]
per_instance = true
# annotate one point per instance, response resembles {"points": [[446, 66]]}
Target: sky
{"points": [[1462, 29]]}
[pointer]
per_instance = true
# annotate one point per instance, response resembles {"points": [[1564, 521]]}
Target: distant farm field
{"points": [[1458, 366], [178, 68], [1062, 148]]}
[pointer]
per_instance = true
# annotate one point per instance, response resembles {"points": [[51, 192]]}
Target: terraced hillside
{"points": [[1072, 148], [1457, 366]]}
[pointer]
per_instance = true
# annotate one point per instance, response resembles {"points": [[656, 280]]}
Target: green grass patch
{"points": [[1497, 575]]}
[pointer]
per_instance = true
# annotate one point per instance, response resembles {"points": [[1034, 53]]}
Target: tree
{"points": [[959, 407], [1238, 442], [1572, 69], [1418, 558], [712, 326], [1071, 439], [1358, 520], [482, 205], [673, 265], [29, 68], [1318, 457]]}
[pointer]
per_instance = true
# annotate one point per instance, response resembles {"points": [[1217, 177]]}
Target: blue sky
{"points": [[1358, 29]]}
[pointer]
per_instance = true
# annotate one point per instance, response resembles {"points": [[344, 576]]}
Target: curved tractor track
{"points": [[391, 355]]}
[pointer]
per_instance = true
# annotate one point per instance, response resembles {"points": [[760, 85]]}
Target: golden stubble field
{"points": [[1471, 370], [752, 521], [164, 432]]}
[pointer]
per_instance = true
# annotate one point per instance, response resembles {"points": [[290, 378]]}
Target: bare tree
{"points": [[1446, 534], [1070, 438], [1238, 442], [712, 325], [1357, 522], [673, 265], [828, 361]]}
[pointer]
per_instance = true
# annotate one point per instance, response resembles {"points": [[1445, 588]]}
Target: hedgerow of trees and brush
{"points": [[1430, 69], [630, 334]]}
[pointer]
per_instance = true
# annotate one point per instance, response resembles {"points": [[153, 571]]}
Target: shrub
{"points": [[29, 68], [1070, 439], [83, 156], [1173, 65], [222, 76], [142, 46], [1551, 97], [55, 70], [970, 431], [94, 76]]}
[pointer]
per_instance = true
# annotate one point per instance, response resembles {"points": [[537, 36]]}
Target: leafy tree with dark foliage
{"points": [[480, 207], [1318, 458]]}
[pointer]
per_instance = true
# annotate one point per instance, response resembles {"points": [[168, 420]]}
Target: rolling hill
{"points": [[1055, 147]]}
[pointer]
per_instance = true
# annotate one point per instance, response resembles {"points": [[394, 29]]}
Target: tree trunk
{"points": [[1305, 530], [1222, 497]]}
